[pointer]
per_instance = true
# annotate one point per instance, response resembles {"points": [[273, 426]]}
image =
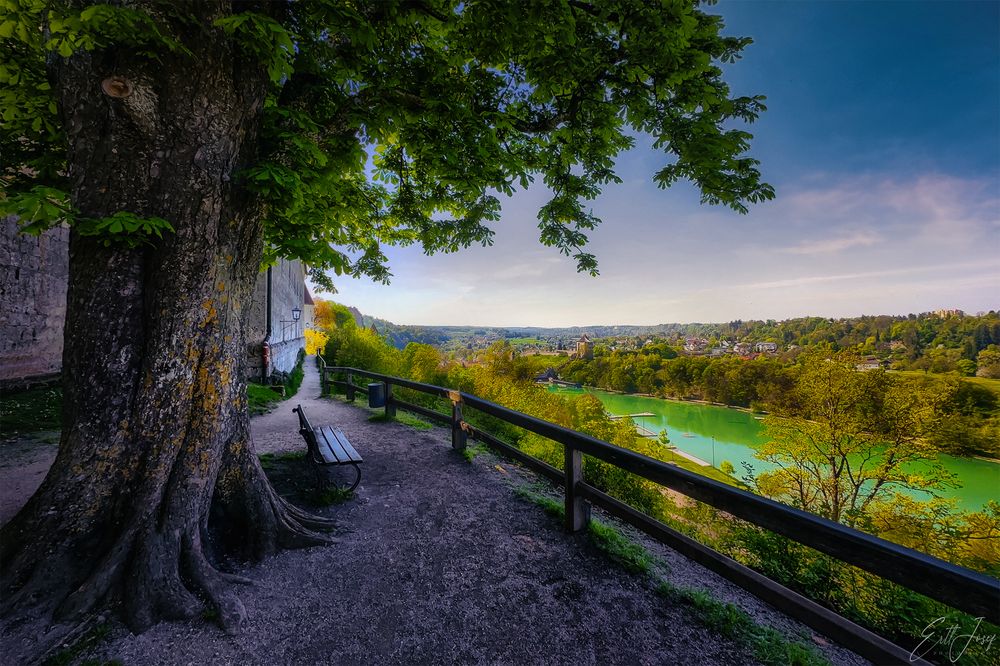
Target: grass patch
{"points": [[470, 452], [930, 377], [271, 460], [71, 653], [769, 646], [532, 493], [33, 410], [295, 478], [329, 496], [261, 399], [710, 472], [630, 555], [990, 384], [294, 380], [401, 417], [378, 413]]}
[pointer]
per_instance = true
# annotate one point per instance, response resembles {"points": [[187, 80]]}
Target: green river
{"points": [[719, 433]]}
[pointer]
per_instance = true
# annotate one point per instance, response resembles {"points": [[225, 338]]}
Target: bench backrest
{"points": [[303, 421], [305, 429]]}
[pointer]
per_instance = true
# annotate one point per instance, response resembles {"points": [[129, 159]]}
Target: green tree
{"points": [[422, 363], [988, 362], [185, 142], [966, 368], [859, 439], [328, 314]]}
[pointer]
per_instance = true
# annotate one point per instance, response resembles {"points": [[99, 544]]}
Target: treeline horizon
{"points": [[924, 341], [693, 328]]}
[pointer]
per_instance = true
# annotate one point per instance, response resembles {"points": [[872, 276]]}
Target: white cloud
{"points": [[833, 245], [828, 246]]}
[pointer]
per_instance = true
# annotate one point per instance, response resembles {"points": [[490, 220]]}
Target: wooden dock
{"points": [[559, 382], [646, 432], [641, 429]]}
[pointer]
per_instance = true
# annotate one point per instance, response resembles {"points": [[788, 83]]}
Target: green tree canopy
{"points": [[400, 122], [860, 438], [186, 141]]}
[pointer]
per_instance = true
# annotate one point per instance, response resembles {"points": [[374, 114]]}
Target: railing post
{"points": [[350, 387], [390, 406], [459, 438], [577, 509]]}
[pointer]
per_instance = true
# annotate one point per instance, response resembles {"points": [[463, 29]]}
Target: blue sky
{"points": [[882, 140]]}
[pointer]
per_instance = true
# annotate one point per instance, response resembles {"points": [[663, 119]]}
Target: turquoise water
{"points": [[715, 434]]}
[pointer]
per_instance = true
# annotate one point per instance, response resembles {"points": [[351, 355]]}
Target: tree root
{"points": [[214, 584], [254, 521], [97, 586], [306, 519], [156, 564], [57, 638]]}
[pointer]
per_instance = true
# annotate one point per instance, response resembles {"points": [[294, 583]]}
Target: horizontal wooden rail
{"points": [[866, 643], [548, 471], [423, 411], [959, 587], [356, 387]]}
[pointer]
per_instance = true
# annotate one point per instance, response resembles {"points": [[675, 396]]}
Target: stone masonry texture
{"points": [[34, 272]]}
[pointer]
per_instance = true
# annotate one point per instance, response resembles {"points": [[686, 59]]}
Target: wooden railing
{"points": [[961, 588]]}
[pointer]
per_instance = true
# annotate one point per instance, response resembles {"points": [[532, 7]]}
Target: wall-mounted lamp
{"points": [[291, 324]]}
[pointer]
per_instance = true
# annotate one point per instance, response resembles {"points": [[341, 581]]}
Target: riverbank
{"points": [[720, 434], [694, 401]]}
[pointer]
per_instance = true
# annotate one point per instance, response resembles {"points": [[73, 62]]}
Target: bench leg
{"points": [[357, 479], [321, 479]]}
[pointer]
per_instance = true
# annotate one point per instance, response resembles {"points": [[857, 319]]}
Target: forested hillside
{"points": [[944, 342]]}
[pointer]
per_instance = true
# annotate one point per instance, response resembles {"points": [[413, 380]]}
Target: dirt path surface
{"points": [[440, 562], [24, 460]]}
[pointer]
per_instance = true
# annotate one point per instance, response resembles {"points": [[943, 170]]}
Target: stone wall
{"points": [[287, 336], [34, 273]]}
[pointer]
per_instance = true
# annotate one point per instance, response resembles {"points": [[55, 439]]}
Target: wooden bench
{"points": [[328, 446]]}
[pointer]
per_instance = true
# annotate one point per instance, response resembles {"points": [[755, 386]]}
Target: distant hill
{"points": [[935, 341]]}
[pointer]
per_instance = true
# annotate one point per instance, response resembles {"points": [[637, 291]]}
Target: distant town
{"points": [[945, 340]]}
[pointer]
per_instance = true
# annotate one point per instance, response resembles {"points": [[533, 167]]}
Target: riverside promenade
{"points": [[440, 561]]}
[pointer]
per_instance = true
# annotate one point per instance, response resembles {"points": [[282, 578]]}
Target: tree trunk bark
{"points": [[156, 431]]}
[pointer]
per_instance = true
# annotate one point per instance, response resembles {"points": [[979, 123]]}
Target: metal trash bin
{"points": [[376, 394]]}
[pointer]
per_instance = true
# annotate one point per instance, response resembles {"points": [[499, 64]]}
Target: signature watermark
{"points": [[951, 636]]}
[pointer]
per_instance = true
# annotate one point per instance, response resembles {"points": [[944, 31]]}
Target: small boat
{"points": [[687, 434]]}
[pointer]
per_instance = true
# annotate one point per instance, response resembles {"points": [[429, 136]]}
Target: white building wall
{"points": [[286, 336]]}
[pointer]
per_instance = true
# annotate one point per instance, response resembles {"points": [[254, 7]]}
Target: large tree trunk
{"points": [[156, 429]]}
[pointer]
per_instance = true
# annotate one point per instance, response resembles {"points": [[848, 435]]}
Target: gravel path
{"points": [[24, 461], [439, 561]]}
